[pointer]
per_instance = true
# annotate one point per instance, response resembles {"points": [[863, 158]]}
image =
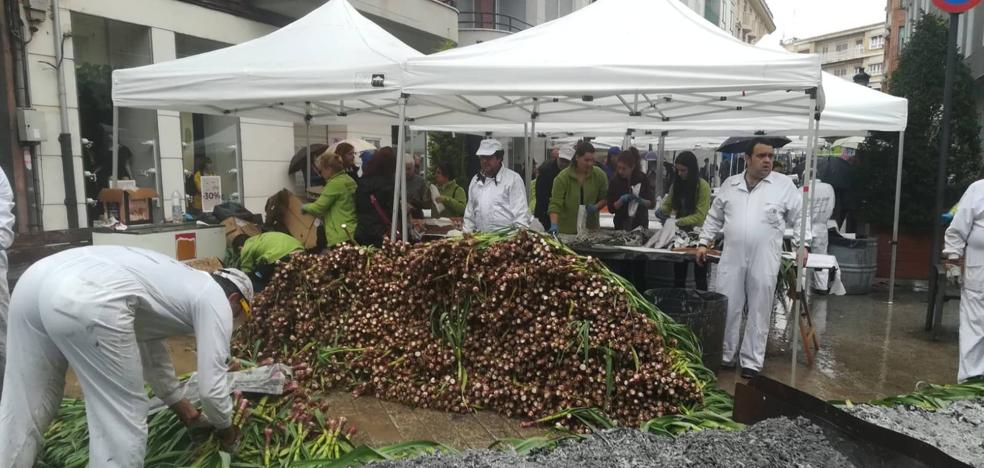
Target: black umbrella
{"points": [[740, 144], [300, 157]]}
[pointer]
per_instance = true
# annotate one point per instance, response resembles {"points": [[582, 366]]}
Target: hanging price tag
{"points": [[211, 192]]}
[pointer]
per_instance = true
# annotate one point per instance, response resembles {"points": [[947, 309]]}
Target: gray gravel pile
{"points": [[957, 429], [770, 443], [634, 238]]}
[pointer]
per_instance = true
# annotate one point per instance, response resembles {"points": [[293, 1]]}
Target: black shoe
{"points": [[747, 373], [728, 366]]}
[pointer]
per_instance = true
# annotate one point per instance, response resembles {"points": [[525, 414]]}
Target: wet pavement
{"points": [[868, 350]]}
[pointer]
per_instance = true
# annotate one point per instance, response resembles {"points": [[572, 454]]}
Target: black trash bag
{"points": [[231, 210], [703, 311]]}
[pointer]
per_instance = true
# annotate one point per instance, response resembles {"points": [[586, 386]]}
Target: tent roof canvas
{"points": [[333, 57], [569, 56]]}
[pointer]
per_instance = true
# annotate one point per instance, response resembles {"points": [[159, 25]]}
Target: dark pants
{"points": [[680, 275], [843, 211]]}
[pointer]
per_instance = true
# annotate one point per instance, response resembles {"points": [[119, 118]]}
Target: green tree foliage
{"points": [[448, 148], [919, 78]]}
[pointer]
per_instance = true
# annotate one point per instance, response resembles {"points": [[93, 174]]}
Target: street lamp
{"points": [[861, 77]]}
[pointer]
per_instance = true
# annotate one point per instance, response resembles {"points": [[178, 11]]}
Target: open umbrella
{"points": [[849, 142], [740, 144], [300, 157], [359, 144]]}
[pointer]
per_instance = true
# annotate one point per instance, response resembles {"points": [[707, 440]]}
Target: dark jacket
{"points": [[372, 227], [544, 188], [619, 187], [353, 172]]}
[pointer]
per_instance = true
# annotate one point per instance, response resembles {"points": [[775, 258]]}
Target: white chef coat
{"points": [[106, 310], [6, 239], [753, 223], [497, 203], [822, 207], [965, 239]]}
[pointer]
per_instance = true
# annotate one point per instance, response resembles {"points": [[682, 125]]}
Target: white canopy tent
{"points": [[330, 66], [849, 110], [332, 61], [665, 66]]}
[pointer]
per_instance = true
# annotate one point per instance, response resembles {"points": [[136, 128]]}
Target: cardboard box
{"points": [[235, 227], [207, 264], [283, 213], [129, 206]]}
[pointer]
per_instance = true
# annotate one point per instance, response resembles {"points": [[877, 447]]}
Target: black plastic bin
{"points": [[704, 312]]}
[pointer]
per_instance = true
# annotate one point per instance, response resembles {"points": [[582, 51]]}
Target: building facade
{"points": [[845, 53], [724, 13], [754, 20]]}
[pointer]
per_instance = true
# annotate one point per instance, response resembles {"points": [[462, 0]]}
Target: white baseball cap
{"points": [[567, 152], [489, 147], [238, 279]]}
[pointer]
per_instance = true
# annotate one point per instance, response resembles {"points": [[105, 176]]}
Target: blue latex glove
{"points": [[554, 228], [591, 209], [624, 199]]}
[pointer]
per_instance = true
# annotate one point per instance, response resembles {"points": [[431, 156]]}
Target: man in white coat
{"points": [[752, 209], [822, 208], [965, 246], [6, 240], [107, 312], [496, 195]]}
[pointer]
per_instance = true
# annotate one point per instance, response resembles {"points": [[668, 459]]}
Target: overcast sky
{"points": [[806, 18]]}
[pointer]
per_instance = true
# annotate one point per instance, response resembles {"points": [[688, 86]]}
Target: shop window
{"points": [[101, 46], [209, 143]]}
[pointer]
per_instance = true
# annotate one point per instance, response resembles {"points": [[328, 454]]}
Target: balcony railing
{"points": [[841, 56], [486, 20]]}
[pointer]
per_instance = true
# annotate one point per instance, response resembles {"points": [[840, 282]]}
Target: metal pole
{"points": [[527, 173], [307, 146], [951, 59], [804, 216], [413, 149], [116, 147], [426, 157], [397, 178], [65, 134], [402, 171], [529, 154], [895, 219]]}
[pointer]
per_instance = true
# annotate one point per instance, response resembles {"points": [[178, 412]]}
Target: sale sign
{"points": [[211, 192]]}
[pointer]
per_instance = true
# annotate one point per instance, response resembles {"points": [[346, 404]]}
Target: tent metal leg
{"points": [[895, 219], [400, 172], [426, 158], [116, 147], [527, 144], [660, 148], [413, 149], [307, 146], [804, 222], [530, 160]]}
